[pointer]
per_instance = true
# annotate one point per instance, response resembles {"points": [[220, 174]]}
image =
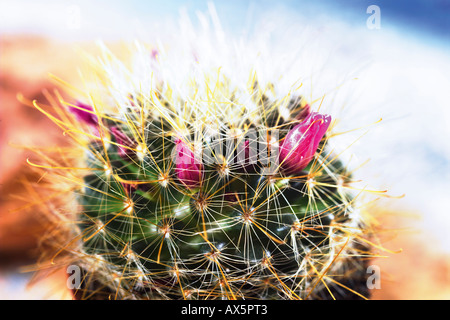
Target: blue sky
{"points": [[421, 16], [425, 18]]}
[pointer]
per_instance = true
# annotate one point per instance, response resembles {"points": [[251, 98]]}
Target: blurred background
{"points": [[399, 52]]}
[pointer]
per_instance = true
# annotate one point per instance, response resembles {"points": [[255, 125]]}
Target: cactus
{"points": [[208, 188]]}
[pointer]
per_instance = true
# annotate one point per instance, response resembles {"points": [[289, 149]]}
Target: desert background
{"points": [[404, 69]]}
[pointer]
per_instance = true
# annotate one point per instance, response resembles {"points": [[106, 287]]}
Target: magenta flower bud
{"points": [[189, 170], [129, 188], [124, 141], [243, 156], [302, 141], [87, 116], [230, 197], [247, 159], [154, 54]]}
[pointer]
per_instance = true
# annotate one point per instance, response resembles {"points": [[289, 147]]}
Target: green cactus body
{"points": [[227, 227], [198, 183]]}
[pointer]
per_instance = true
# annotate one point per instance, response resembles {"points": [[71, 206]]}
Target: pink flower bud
{"points": [[301, 142], [246, 159], [189, 170], [129, 188], [124, 141], [154, 54], [84, 113]]}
